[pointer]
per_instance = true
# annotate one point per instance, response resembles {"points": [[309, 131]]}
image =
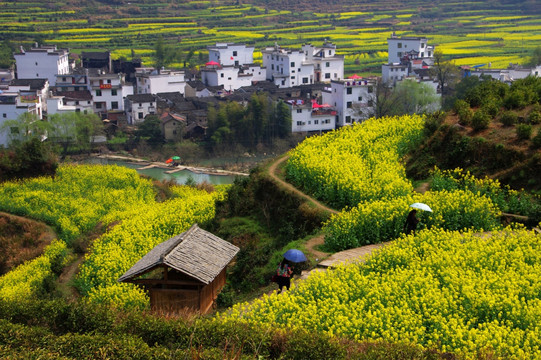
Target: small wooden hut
{"points": [[186, 271]]}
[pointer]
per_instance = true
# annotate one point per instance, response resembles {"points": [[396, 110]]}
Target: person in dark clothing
{"points": [[284, 272], [411, 223]]}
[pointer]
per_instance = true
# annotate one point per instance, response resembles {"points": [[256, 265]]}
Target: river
{"points": [[179, 177]]}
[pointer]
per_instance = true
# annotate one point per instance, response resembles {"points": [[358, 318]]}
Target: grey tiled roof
{"points": [[196, 253]]}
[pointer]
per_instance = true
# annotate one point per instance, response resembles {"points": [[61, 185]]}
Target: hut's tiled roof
{"points": [[196, 253]]}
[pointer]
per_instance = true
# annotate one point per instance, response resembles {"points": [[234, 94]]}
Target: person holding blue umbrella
{"points": [[283, 275], [285, 268]]}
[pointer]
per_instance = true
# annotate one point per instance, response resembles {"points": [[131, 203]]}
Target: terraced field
{"points": [[473, 33]]}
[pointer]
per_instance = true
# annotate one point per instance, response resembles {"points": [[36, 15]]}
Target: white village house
{"points": [[353, 99], [70, 101], [154, 81], [288, 68], [42, 62], [310, 117], [406, 54], [138, 106], [108, 90], [11, 106], [231, 54], [32, 93], [231, 66]]}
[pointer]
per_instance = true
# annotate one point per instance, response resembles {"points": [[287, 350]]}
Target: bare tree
{"points": [[445, 72]]}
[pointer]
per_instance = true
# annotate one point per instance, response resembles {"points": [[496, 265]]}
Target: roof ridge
{"points": [[174, 244]]}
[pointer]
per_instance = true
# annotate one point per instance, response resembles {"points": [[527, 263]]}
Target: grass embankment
{"points": [[21, 240]]}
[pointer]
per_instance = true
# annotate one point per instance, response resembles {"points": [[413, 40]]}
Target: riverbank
{"points": [[145, 164]]}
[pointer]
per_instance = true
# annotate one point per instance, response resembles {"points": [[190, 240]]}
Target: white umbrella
{"points": [[421, 206]]}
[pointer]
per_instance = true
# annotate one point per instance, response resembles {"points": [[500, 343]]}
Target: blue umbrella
{"points": [[295, 256]]}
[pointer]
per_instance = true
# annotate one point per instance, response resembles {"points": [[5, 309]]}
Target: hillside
{"points": [[475, 32], [494, 130]]}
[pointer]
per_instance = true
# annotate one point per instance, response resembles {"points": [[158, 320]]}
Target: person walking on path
{"points": [[284, 272], [411, 223]]}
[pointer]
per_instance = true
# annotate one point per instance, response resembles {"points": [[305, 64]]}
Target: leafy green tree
{"points": [[6, 55], [415, 98], [535, 59], [164, 54], [283, 119], [150, 130], [74, 129], [26, 126]]}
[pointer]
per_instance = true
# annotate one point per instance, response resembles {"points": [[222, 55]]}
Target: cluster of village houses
{"points": [[310, 80]]}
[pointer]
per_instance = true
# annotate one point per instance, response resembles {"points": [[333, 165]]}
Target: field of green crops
{"points": [[472, 33]]}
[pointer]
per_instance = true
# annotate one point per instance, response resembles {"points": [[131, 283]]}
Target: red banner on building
{"points": [[105, 86]]}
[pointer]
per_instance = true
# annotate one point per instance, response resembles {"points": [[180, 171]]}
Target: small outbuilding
{"points": [[186, 271]]}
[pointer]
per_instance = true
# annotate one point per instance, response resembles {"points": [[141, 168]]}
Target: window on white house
{"points": [[98, 92], [316, 122], [327, 75], [293, 78], [309, 122], [292, 64], [327, 64], [114, 105], [360, 98], [349, 104], [108, 81], [348, 119], [140, 115], [222, 75], [234, 53], [370, 89], [299, 123], [348, 90], [299, 111], [423, 45], [113, 92], [399, 45]]}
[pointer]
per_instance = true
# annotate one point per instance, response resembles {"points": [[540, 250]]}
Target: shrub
{"points": [[465, 116], [537, 139], [460, 105], [509, 118], [490, 106], [514, 100], [534, 117], [524, 131], [433, 122], [480, 120]]}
